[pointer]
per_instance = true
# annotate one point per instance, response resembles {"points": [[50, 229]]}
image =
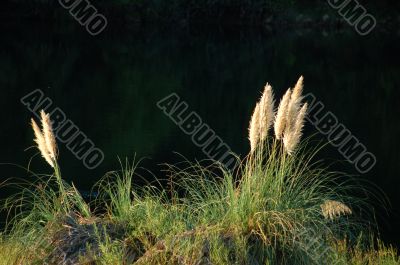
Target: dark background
{"points": [[216, 56]]}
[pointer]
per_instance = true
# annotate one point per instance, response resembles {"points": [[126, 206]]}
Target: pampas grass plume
{"points": [[45, 139], [298, 88], [294, 104], [254, 128], [41, 143], [288, 122], [49, 135], [266, 111], [292, 135], [281, 115], [332, 209]]}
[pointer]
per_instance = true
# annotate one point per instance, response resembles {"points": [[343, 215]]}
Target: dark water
{"points": [[109, 85]]}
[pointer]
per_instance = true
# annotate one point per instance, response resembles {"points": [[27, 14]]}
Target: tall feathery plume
{"points": [[291, 137], [41, 143], [49, 135], [266, 111], [298, 88], [294, 104], [281, 115], [254, 128]]}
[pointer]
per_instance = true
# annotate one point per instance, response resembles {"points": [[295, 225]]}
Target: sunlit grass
{"points": [[268, 212], [279, 206]]}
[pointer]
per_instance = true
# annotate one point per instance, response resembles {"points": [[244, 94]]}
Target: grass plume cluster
{"points": [[278, 207]]}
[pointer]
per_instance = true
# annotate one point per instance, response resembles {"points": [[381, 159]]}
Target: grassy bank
{"points": [[278, 207]]}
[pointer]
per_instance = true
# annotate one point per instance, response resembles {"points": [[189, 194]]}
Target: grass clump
{"points": [[277, 207]]}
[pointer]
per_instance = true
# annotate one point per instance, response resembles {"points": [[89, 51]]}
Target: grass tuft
{"points": [[277, 207]]}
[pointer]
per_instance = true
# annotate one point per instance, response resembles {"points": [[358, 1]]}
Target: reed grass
{"points": [[277, 207]]}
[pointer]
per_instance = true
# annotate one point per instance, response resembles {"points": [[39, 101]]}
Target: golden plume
{"points": [[45, 139], [289, 118], [333, 209], [281, 115], [49, 135], [266, 111], [294, 104], [254, 128], [298, 88], [292, 134], [41, 143]]}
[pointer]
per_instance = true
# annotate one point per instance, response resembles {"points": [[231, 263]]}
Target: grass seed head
{"points": [[41, 143], [294, 105], [49, 135], [281, 115], [333, 209], [292, 135], [266, 111], [254, 128], [298, 89], [294, 118]]}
